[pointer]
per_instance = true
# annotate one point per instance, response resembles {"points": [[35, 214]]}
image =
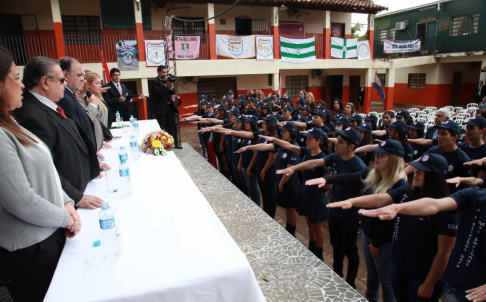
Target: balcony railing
{"points": [[204, 46], [23, 48], [87, 48]]}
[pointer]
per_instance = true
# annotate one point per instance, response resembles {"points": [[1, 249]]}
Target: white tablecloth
{"points": [[174, 246]]}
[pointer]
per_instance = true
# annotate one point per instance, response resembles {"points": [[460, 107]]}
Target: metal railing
{"points": [[87, 48], [203, 49], [23, 48]]}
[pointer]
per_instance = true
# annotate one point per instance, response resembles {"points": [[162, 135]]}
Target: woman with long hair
{"points": [[388, 174], [36, 215], [349, 110], [388, 118], [310, 101], [366, 139], [93, 84], [337, 108], [421, 244], [288, 187]]}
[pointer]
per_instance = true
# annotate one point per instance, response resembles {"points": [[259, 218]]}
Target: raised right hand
{"points": [[321, 182], [287, 171], [385, 213]]}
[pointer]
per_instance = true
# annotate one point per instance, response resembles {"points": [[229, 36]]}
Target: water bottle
{"points": [[118, 120], [134, 148], [124, 170], [132, 120], [135, 128], [109, 232], [123, 155], [96, 254]]}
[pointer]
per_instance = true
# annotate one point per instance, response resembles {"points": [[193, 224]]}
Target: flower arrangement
{"points": [[157, 143]]}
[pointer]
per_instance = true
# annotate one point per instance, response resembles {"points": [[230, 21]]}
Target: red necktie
{"points": [[76, 96], [61, 112]]}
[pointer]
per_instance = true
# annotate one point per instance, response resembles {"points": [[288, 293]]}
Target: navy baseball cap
{"points": [[390, 146], [343, 120], [365, 127], [280, 102], [357, 118], [431, 162], [204, 96], [203, 102], [371, 117], [271, 118], [252, 100], [289, 126], [417, 126], [403, 113], [241, 97], [210, 104], [320, 113], [289, 108], [251, 118], [305, 107], [448, 124], [268, 99], [215, 100], [331, 127], [315, 133], [242, 102], [477, 121], [232, 102], [351, 134], [279, 117], [231, 92], [240, 119], [302, 119], [222, 107], [300, 101], [268, 106], [400, 125], [259, 104], [234, 111]]}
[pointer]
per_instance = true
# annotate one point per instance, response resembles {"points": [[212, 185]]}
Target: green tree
{"points": [[355, 32]]}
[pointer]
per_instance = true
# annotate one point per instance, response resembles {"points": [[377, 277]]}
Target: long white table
{"points": [[174, 246]]}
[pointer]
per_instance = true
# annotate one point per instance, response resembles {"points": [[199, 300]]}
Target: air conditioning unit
{"points": [[401, 25], [317, 73]]}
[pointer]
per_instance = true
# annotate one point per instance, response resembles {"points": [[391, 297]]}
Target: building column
{"points": [[390, 91], [371, 33], [58, 32], [137, 8], [275, 82], [327, 34], [275, 33], [369, 80], [211, 32]]}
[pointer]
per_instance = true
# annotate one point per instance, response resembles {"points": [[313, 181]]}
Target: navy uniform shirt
{"points": [[467, 265], [253, 112], [408, 153], [473, 153], [415, 238], [344, 192], [419, 150], [248, 155], [456, 160]]}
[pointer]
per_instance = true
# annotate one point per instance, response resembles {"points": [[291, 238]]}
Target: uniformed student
{"points": [[372, 119], [366, 139], [475, 148], [355, 120], [251, 110], [342, 122], [421, 245], [404, 115], [343, 225]]}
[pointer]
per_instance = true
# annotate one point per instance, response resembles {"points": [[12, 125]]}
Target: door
{"points": [[354, 83], [456, 87], [12, 37], [242, 27], [431, 36], [335, 86]]}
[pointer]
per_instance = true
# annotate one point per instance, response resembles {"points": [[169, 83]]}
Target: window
{"points": [[294, 84], [465, 25], [190, 28], [215, 87], [387, 34], [86, 26], [416, 80]]}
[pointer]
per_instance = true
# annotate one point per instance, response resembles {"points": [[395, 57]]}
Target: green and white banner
{"points": [[344, 48], [298, 50]]}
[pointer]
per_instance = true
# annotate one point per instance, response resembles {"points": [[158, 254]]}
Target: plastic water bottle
{"points": [[132, 120], [118, 120], [96, 254], [136, 130], [123, 155], [124, 170], [109, 232], [134, 148]]}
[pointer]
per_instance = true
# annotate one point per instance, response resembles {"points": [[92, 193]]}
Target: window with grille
{"points": [[294, 84], [87, 28], [387, 34], [182, 28], [215, 87], [465, 25], [416, 80]]}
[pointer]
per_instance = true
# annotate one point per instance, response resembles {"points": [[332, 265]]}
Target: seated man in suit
{"points": [[118, 97], [44, 87]]}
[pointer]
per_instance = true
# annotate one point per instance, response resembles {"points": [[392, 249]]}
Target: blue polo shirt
{"points": [[473, 153]]}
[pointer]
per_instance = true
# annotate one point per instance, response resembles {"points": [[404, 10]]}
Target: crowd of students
{"points": [[415, 193]]}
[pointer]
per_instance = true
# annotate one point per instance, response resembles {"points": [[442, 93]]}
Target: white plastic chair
{"points": [[472, 105], [458, 109], [363, 116], [421, 119], [413, 110], [380, 115]]}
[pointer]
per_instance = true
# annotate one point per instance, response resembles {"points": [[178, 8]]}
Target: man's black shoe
{"points": [[178, 147]]}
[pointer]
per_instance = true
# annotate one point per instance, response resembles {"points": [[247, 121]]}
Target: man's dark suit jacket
{"points": [[479, 98], [75, 111], [160, 96], [63, 138], [361, 93], [111, 97]]}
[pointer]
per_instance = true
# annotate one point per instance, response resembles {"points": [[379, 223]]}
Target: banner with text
{"points": [[235, 47], [127, 54], [390, 46], [264, 46], [187, 47], [155, 51]]}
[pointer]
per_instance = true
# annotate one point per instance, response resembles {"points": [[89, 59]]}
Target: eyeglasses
{"points": [[61, 80], [380, 155]]}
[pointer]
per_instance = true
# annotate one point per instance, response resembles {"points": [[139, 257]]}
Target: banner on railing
{"points": [[155, 51], [298, 50], [390, 46], [364, 50], [127, 54], [187, 47], [264, 46], [344, 48], [235, 47]]}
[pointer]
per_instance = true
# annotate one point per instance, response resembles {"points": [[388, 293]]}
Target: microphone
{"points": [[88, 94]]}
